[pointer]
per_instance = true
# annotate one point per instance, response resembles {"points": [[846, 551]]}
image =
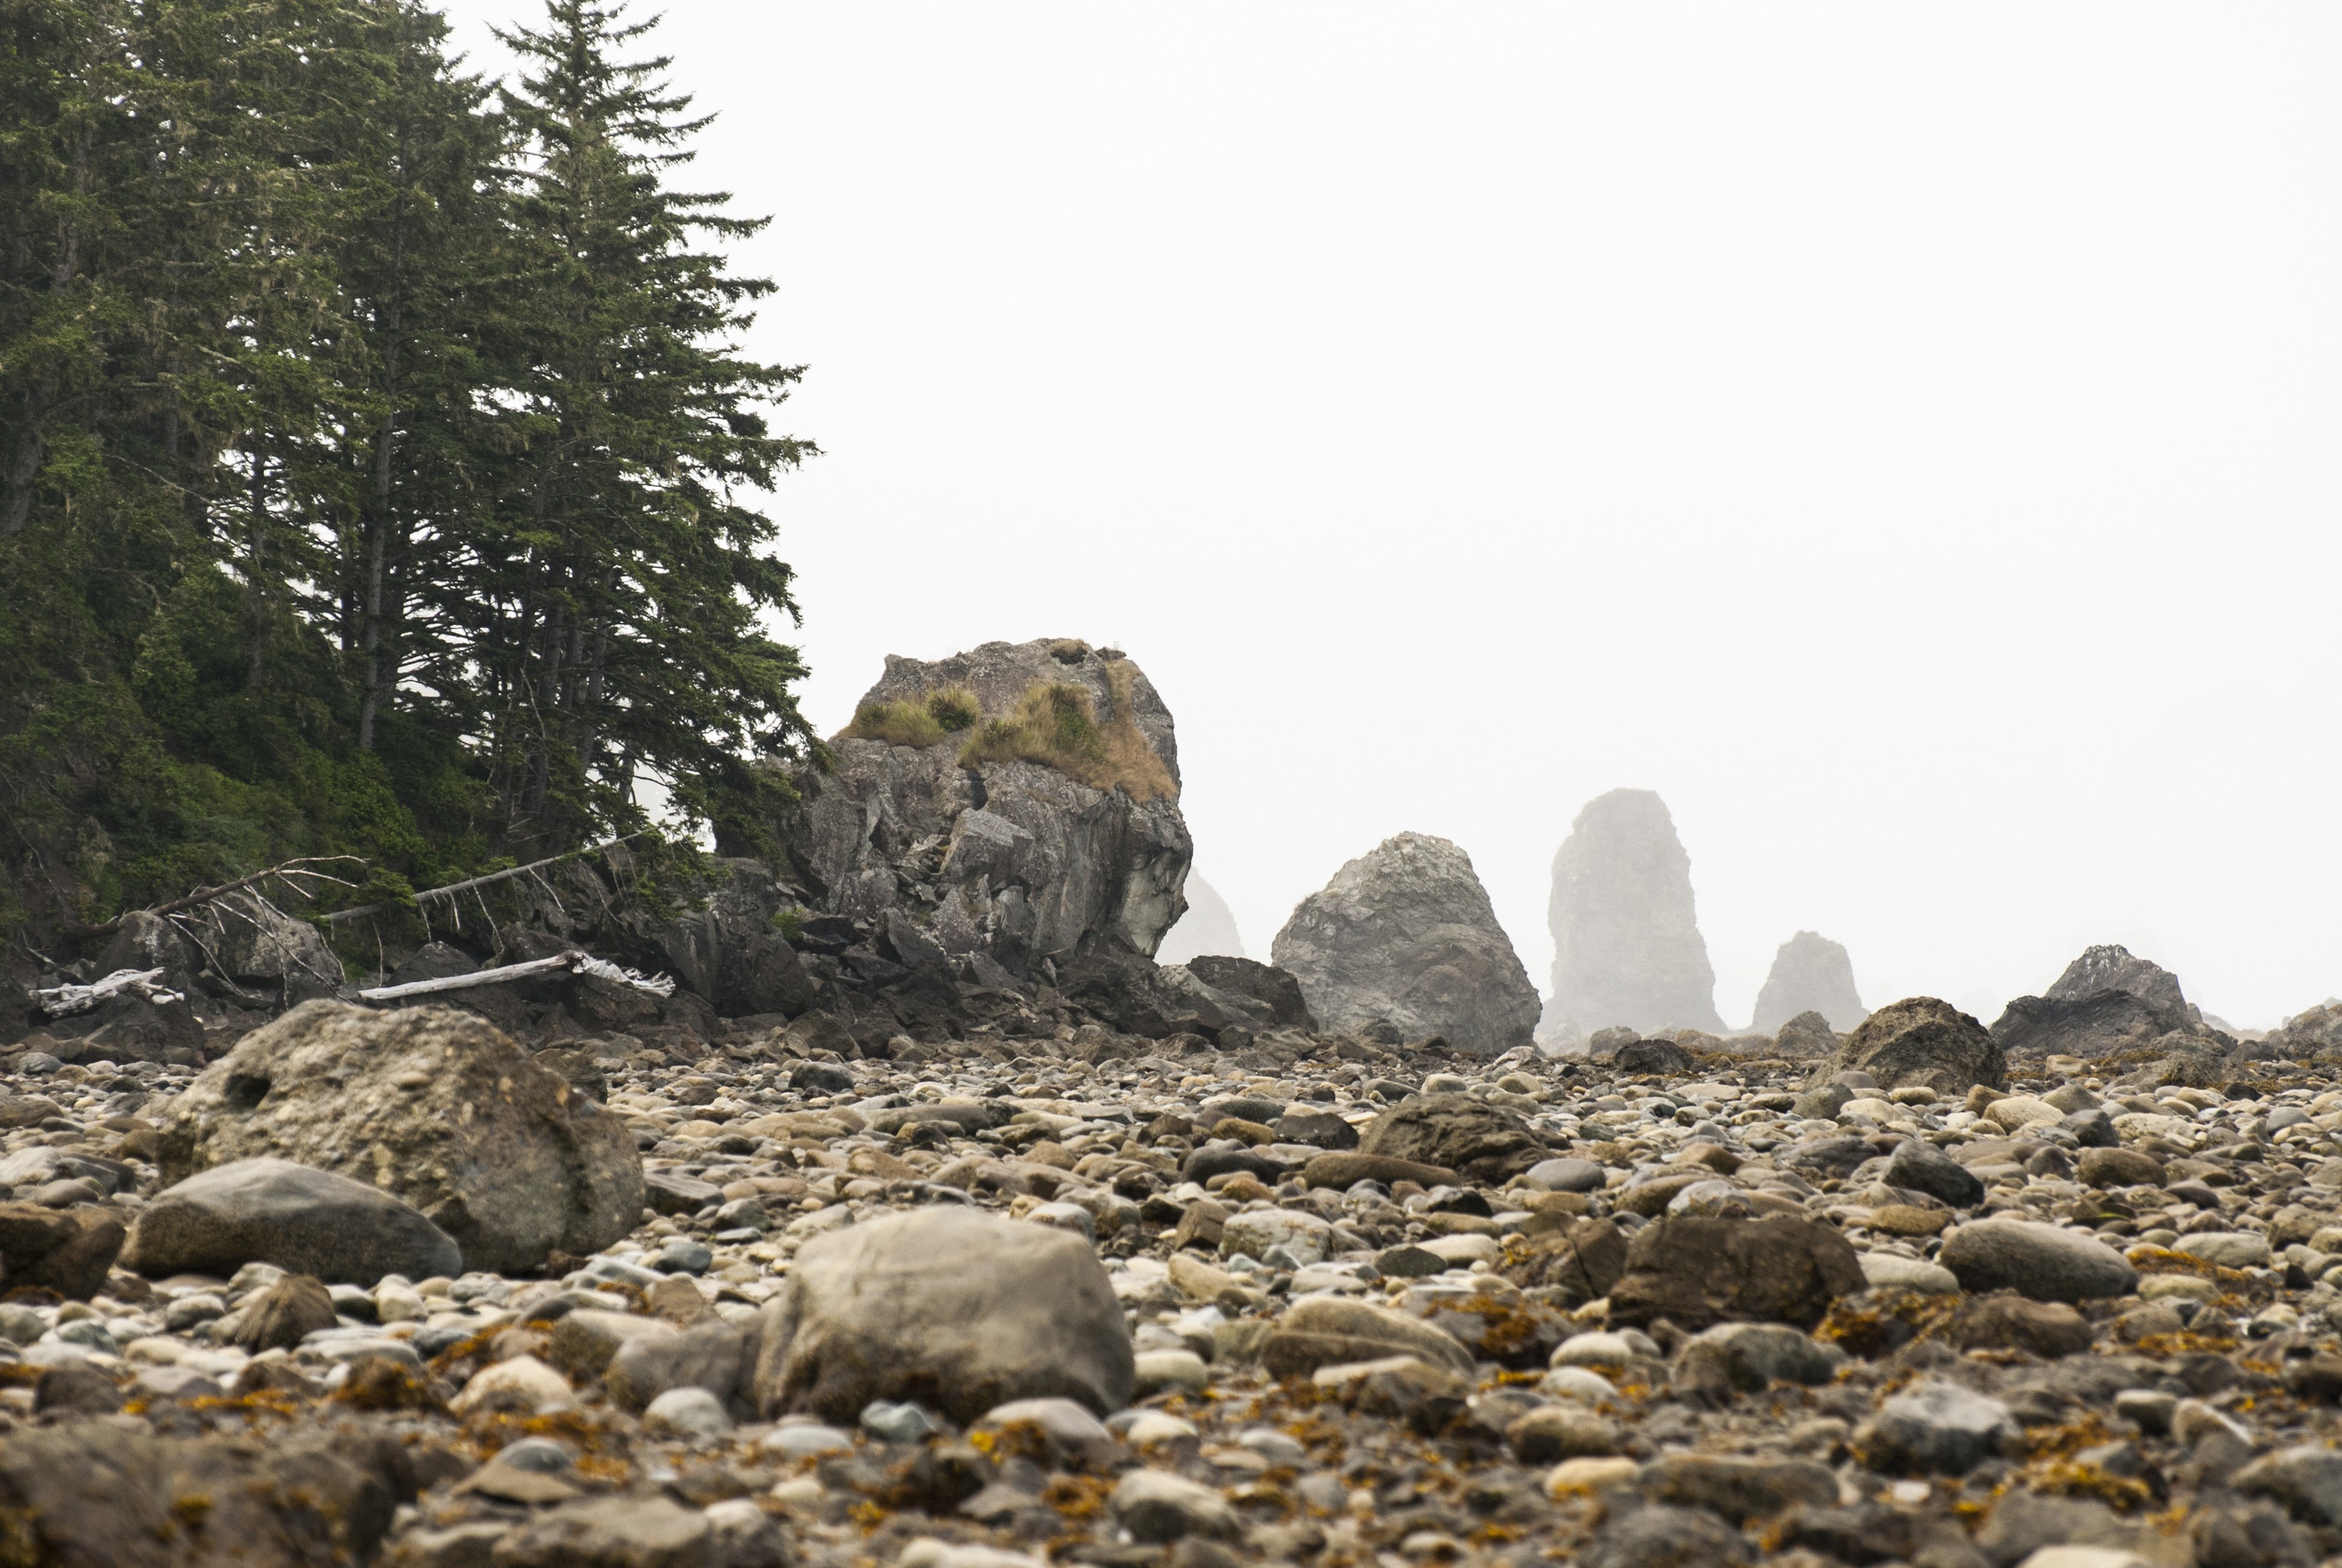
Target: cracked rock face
{"points": [[1627, 946], [1015, 859], [1405, 936]]}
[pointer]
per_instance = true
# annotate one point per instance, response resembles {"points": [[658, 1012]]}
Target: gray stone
{"points": [[1627, 944], [2228, 1249], [1919, 1166], [307, 1220], [1274, 989], [1662, 1537], [1737, 1487], [690, 1411], [1810, 973], [1566, 1175], [1461, 1132], [1324, 1330], [2092, 1128], [1748, 1357], [286, 1314], [890, 1422], [2036, 1260], [2307, 1480], [1696, 1272], [1014, 857], [1404, 936], [619, 1531], [1922, 1040], [712, 1355], [1155, 1505], [1936, 1429], [67, 1251], [955, 1309], [434, 1106]]}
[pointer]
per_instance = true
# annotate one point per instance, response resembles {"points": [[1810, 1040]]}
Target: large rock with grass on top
{"points": [[1020, 799], [436, 1107], [951, 1308], [1404, 935]]}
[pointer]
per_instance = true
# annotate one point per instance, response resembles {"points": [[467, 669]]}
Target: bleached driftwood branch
{"points": [[585, 964], [455, 889], [291, 873], [64, 1001]]}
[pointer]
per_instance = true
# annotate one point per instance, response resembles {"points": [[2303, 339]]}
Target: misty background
{"points": [[1904, 440]]}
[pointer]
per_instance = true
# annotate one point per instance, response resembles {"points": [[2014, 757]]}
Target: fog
{"points": [[1905, 439]]}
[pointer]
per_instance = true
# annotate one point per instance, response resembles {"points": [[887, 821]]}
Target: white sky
{"points": [[1903, 437]]}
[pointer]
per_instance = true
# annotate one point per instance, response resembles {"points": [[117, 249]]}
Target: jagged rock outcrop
{"points": [[2107, 967], [1405, 935], [1627, 942], [1810, 973], [1018, 800], [1207, 929], [2312, 1035], [2108, 1002]]}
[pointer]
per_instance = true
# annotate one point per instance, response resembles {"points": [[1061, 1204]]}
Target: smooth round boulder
{"points": [[2118, 1168], [2035, 1260], [303, 1220], [952, 1308], [1566, 1175]]}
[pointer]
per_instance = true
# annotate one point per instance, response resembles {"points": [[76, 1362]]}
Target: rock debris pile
{"points": [[1055, 1291]]}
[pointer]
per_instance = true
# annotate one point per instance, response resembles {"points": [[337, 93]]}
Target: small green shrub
{"points": [[955, 708], [789, 924]]}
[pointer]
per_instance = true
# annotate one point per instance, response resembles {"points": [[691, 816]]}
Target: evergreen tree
{"points": [[630, 584], [371, 458]]}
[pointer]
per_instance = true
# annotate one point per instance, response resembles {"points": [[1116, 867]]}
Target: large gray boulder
{"points": [[1018, 799], [1810, 973], [437, 1108], [2108, 1002], [1627, 944], [308, 1221], [2036, 1260], [1405, 935], [955, 1309]]}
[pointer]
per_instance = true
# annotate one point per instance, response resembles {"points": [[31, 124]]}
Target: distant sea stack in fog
{"points": [[1207, 929], [1627, 945], [1811, 974], [1404, 936]]}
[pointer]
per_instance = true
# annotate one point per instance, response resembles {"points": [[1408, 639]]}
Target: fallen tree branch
{"points": [[453, 888], [585, 964], [64, 1001], [290, 872]]}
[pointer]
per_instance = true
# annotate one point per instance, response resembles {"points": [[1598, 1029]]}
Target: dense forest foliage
{"points": [[376, 455]]}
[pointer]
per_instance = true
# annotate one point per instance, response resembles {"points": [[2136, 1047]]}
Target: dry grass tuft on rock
{"points": [[928, 721], [1054, 724]]}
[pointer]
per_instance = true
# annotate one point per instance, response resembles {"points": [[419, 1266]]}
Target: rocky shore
{"points": [[1087, 1296]]}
